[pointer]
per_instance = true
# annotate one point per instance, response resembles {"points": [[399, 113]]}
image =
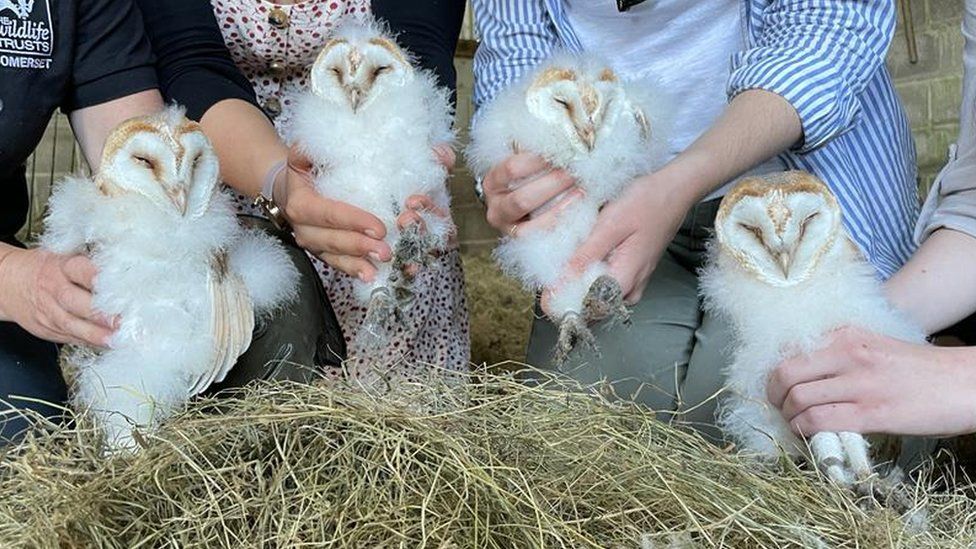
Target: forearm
{"points": [[937, 287], [6, 284], [246, 144], [755, 126], [92, 125]]}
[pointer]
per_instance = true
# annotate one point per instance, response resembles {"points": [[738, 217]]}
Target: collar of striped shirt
{"points": [[624, 5], [856, 133]]}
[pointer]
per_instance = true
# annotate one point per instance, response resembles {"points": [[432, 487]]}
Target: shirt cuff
{"points": [[823, 112], [951, 203], [110, 87]]}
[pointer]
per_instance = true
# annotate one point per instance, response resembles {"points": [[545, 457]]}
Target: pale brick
{"points": [[472, 226], [929, 51], [462, 188], [940, 11], [915, 96], [932, 147], [952, 45], [944, 98]]}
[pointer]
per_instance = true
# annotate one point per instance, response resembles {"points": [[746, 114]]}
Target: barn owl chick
{"points": [[174, 266], [368, 124], [577, 114], [784, 273]]}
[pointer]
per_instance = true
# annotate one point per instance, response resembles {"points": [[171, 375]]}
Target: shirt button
{"points": [[278, 18], [272, 107], [1, 105], [277, 68]]}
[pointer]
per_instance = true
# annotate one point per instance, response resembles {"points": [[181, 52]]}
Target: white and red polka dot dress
{"points": [[434, 332]]}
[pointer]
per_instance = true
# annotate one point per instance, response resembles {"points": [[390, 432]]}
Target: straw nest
{"points": [[489, 463], [501, 311]]}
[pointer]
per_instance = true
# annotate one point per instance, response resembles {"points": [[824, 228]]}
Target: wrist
{"points": [[677, 186], [8, 256], [272, 182]]}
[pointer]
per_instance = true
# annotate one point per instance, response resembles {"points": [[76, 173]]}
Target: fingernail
{"points": [[375, 256], [371, 233]]}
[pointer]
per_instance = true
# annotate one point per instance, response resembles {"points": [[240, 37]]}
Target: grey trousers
{"points": [[671, 356]]}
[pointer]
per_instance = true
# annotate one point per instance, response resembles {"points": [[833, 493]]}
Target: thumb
{"points": [[298, 162], [603, 240]]}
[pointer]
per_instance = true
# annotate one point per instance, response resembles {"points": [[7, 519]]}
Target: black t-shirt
{"points": [[70, 54]]}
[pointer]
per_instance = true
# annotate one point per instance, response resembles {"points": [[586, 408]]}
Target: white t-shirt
{"points": [[683, 46]]}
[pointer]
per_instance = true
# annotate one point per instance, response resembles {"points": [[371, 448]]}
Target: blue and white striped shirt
{"points": [[826, 57]]}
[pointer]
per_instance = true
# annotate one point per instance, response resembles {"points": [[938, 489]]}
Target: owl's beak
{"points": [[784, 259], [178, 198], [355, 98], [587, 135]]}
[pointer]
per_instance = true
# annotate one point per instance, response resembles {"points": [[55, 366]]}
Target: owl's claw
{"points": [[605, 299], [381, 313], [414, 247], [844, 458], [572, 331]]}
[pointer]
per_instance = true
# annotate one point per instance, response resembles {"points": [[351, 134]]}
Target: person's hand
{"points": [[631, 234], [416, 205], [342, 235], [446, 156], [520, 185], [50, 296], [868, 383]]}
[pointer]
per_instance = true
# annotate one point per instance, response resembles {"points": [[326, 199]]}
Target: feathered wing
{"points": [[71, 209], [231, 321]]}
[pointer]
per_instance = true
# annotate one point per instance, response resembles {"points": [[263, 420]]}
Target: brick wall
{"points": [[931, 89]]}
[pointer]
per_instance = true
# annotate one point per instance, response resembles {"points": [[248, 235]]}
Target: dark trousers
{"points": [[29, 369]]}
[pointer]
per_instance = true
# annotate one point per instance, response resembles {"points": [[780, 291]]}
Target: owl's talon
{"points": [[573, 331], [414, 247], [605, 299]]}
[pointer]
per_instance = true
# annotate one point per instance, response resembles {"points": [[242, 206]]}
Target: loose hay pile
{"points": [[494, 464]]}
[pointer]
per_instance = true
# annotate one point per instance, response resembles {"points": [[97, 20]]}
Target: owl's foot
{"points": [[844, 459], [414, 247], [376, 330], [572, 332], [605, 299]]}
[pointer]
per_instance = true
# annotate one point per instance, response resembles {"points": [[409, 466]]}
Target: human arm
{"points": [[756, 125], [196, 70], [112, 79], [801, 79], [937, 287]]}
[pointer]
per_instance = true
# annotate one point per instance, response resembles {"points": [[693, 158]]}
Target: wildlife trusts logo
{"points": [[26, 36]]}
